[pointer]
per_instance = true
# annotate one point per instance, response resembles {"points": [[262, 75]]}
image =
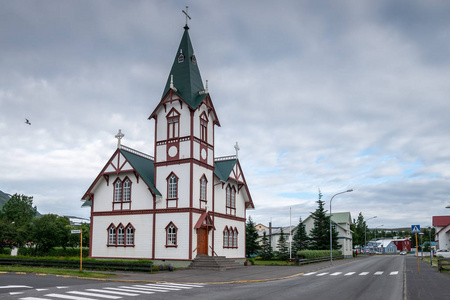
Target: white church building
{"points": [[181, 202]]}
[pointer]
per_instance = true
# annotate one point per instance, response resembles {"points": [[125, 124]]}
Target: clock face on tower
{"points": [[173, 150]]}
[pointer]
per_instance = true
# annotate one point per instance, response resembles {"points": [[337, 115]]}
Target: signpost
{"points": [[80, 231], [416, 229]]}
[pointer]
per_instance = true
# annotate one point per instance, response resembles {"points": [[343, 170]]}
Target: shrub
{"points": [[309, 254], [55, 252], [6, 251]]}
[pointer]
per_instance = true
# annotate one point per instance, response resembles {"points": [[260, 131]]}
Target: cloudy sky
{"points": [[329, 95]]}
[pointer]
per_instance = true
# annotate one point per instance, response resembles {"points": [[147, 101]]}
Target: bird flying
{"points": [[27, 122]]}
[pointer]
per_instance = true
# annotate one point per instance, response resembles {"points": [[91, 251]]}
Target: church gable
{"points": [[117, 164]]}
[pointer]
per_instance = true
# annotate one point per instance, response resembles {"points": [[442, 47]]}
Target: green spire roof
{"points": [[186, 75]]}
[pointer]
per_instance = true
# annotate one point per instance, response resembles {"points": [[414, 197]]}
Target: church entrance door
{"points": [[202, 241]]}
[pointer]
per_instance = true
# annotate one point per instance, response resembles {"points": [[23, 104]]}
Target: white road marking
{"points": [[32, 298], [394, 273], [363, 273], [349, 273], [310, 273], [94, 295], [187, 285], [62, 287], [147, 286], [16, 293], [40, 290], [112, 292], [379, 273], [62, 296], [125, 289], [15, 287], [321, 274], [336, 273], [169, 286]]}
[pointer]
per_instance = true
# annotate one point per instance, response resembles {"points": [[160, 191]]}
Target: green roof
{"points": [[223, 168], [341, 217], [144, 167], [186, 75]]}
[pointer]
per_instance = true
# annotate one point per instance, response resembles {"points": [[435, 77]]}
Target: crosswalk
{"points": [[377, 273], [116, 292]]}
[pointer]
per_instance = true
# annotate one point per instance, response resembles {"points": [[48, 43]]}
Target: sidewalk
{"points": [[244, 274]]}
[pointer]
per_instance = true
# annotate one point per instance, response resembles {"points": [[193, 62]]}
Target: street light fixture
{"points": [[331, 231], [365, 231]]}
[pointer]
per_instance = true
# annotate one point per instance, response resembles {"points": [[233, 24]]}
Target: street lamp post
{"points": [[331, 231], [365, 231], [376, 244], [431, 260]]}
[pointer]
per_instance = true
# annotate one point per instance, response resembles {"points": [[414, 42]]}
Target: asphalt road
{"points": [[380, 277]]}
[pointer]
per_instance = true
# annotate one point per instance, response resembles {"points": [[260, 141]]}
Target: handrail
{"points": [[194, 249], [214, 252]]}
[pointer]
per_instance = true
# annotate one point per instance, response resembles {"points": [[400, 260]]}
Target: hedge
{"points": [[56, 252], [309, 254]]}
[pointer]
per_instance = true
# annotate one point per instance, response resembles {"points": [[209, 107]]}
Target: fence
{"points": [[444, 264]]}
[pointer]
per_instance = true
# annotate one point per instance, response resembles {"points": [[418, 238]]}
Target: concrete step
{"points": [[204, 262]]}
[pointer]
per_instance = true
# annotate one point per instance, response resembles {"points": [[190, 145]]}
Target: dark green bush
{"points": [[55, 252], [309, 254]]}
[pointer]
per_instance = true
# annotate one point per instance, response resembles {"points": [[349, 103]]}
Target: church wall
{"points": [[198, 173], [142, 236], [181, 221], [104, 194], [220, 224]]}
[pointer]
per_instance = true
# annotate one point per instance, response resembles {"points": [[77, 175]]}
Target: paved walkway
{"points": [[244, 274]]}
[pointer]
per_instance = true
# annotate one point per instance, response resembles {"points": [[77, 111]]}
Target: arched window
{"points": [[173, 187], [118, 190], [111, 235], [235, 245], [225, 237], [228, 195], [130, 235], [231, 200], [120, 235], [127, 190], [173, 124], [204, 127], [203, 200], [230, 238], [171, 235]]}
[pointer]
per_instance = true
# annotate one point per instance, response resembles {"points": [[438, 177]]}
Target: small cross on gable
{"points": [[119, 136]]}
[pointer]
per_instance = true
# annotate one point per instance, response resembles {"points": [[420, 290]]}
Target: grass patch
{"points": [[259, 262], [63, 272]]}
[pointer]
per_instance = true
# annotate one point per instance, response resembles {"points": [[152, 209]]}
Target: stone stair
{"points": [[205, 262]]}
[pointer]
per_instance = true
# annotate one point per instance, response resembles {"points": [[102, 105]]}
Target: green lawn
{"points": [[259, 262], [61, 272]]}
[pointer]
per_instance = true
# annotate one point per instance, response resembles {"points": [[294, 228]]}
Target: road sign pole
{"points": [[81, 250], [417, 251]]}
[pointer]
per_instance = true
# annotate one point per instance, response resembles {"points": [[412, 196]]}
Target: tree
{"points": [[360, 230], [320, 234], [251, 238], [266, 249], [300, 240], [49, 231], [15, 218], [282, 247]]}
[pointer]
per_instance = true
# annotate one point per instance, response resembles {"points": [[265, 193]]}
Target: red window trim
{"points": [[125, 228]]}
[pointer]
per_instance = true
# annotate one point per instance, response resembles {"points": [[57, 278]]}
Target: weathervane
{"points": [[187, 16], [119, 136]]}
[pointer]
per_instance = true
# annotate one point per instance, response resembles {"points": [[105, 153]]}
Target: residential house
{"points": [[442, 235]]}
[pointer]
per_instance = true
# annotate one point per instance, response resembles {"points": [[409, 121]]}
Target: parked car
{"points": [[403, 253], [443, 253]]}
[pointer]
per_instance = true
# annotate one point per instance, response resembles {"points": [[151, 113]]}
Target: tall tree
{"points": [[266, 249], [360, 230], [282, 247], [50, 231], [300, 240], [320, 233], [251, 238], [16, 216]]}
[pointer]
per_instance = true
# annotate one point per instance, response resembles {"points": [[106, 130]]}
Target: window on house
{"points": [[173, 124], [173, 182], [130, 235], [204, 128], [171, 235], [203, 193], [230, 238], [120, 235], [118, 191], [231, 200], [127, 190], [112, 235], [235, 238], [225, 238]]}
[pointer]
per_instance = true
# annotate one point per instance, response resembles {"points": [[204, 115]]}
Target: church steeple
{"points": [[184, 77]]}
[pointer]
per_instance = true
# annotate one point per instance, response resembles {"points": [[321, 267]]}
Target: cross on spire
{"points": [[236, 147], [119, 136], [187, 16]]}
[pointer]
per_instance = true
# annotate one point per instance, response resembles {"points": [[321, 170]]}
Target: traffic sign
{"points": [[415, 228], [75, 231]]}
